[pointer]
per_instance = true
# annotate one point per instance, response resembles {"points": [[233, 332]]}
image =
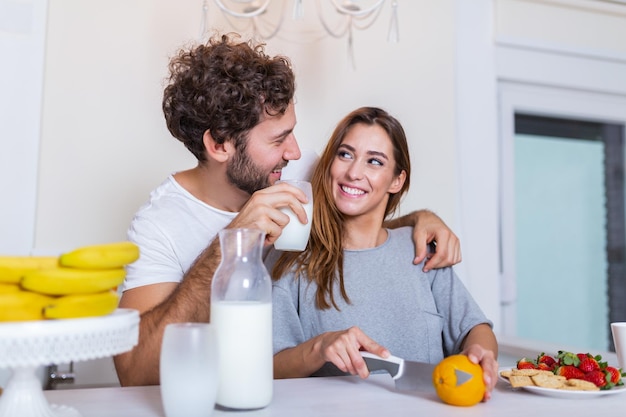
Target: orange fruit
{"points": [[444, 379]]}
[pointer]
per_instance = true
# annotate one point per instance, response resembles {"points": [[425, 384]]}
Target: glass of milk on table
{"points": [[295, 235], [189, 370]]}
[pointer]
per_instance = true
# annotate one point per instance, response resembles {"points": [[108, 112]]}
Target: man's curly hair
{"points": [[225, 86]]}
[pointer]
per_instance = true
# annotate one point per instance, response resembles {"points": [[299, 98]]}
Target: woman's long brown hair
{"points": [[322, 260]]}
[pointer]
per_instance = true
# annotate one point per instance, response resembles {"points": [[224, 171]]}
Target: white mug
{"points": [[189, 370], [295, 235], [619, 340]]}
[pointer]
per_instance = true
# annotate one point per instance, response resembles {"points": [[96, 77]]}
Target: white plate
{"points": [[561, 393]]}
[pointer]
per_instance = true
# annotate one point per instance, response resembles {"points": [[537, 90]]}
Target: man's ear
{"points": [[219, 152]]}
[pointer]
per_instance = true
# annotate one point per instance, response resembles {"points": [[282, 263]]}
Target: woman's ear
{"points": [[397, 183], [219, 152]]}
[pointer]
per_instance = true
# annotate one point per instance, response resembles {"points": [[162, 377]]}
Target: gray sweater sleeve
{"points": [[287, 330], [454, 302]]}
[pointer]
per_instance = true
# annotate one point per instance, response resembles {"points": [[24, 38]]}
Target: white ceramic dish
{"points": [[43, 342], [567, 394], [25, 345], [561, 393]]}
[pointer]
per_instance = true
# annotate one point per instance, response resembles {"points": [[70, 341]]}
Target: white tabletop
{"points": [[344, 396]]}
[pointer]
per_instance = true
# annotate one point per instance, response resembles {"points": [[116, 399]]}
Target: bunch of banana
{"points": [[13, 268], [106, 256], [80, 283]]}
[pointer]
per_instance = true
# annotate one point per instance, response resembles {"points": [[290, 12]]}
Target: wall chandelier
{"points": [[338, 18]]}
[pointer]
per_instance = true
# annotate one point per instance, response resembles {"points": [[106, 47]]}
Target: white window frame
{"points": [[516, 97]]}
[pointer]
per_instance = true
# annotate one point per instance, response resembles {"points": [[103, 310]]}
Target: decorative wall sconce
{"points": [[265, 18]]}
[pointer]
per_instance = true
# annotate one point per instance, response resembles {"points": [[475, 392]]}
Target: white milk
{"points": [[189, 370], [295, 235], [244, 336]]}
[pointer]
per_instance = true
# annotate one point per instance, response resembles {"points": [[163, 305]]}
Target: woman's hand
{"points": [[342, 348], [487, 360]]}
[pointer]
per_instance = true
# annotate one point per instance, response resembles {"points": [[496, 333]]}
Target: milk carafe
{"points": [[241, 314]]}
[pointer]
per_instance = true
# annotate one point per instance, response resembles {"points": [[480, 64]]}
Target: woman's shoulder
{"points": [[270, 257], [401, 233], [399, 243]]}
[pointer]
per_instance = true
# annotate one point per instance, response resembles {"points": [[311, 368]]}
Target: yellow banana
{"points": [[82, 305], [8, 288], [23, 305], [105, 256], [63, 281], [13, 268]]}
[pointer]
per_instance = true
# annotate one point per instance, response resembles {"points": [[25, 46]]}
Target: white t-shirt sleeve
{"points": [[157, 262]]}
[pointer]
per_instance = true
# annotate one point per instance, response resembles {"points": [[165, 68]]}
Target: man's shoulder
{"points": [[165, 201], [164, 192], [170, 196]]}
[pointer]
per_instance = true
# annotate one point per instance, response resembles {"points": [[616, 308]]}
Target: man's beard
{"points": [[245, 174]]}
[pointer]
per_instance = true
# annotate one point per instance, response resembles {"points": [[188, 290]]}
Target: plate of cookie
{"points": [[551, 385]]}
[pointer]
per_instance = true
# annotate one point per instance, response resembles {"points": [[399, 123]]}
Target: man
{"points": [[232, 107]]}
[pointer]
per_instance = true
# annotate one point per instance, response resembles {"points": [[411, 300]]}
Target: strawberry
{"points": [[526, 363], [547, 360], [569, 372], [616, 375], [597, 377], [545, 367], [568, 358], [588, 364]]}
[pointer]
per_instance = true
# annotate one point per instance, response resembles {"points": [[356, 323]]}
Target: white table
{"points": [[345, 397]]}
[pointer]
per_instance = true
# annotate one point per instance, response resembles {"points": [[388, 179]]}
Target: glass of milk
{"points": [[295, 235], [618, 329], [189, 370]]}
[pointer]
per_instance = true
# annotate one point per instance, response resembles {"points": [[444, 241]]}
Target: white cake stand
{"points": [[26, 345]]}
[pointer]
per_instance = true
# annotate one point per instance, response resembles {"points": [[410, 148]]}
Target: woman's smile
{"points": [[352, 191]]}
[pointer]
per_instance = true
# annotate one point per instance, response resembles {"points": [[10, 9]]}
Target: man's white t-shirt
{"points": [[174, 227]]}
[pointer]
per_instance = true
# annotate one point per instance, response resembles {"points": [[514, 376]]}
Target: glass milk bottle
{"points": [[241, 313]]}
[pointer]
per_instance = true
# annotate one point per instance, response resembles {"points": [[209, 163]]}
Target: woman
{"points": [[354, 287]]}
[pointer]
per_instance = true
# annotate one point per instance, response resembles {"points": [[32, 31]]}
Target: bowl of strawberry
{"points": [[583, 366]]}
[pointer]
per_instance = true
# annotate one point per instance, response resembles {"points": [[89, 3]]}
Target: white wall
{"points": [[104, 144], [476, 132], [22, 48]]}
